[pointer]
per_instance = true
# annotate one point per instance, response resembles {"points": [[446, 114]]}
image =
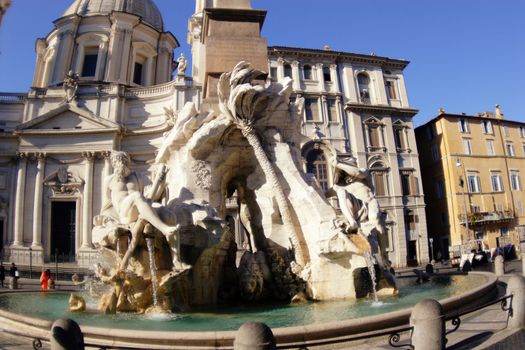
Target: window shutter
{"points": [[374, 136]]}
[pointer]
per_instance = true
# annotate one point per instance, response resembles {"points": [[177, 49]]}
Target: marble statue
{"points": [[76, 303], [183, 65], [124, 194], [173, 256], [358, 204], [71, 86]]}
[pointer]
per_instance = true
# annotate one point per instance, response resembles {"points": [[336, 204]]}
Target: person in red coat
{"points": [[45, 278]]}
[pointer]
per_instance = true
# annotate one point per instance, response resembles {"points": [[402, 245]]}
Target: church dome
{"points": [[146, 9]]}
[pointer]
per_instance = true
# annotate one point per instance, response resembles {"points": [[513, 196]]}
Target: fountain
{"points": [[180, 256], [302, 250]]}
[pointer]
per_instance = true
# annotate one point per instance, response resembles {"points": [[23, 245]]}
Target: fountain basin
{"points": [[295, 324]]}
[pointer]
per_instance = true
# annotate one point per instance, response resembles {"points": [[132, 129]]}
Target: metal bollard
{"points": [[66, 335], [516, 287], [429, 325], [499, 266], [254, 336]]}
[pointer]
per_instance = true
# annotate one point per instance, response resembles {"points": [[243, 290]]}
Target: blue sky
{"points": [[466, 55]]}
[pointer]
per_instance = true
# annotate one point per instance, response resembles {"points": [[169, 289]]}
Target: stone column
{"points": [[516, 287], [428, 321], [37, 205], [19, 200], [295, 76], [87, 203]]}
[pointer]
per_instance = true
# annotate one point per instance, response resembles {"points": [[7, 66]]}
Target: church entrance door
{"points": [[63, 229]]}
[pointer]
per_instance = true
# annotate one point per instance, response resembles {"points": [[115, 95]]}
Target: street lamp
{"points": [[462, 184]]}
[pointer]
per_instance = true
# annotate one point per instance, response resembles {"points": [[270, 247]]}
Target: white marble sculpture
{"points": [[358, 204], [248, 144], [182, 65], [71, 86]]}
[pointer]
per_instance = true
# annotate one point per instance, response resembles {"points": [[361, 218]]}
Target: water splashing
{"points": [[153, 269], [118, 247], [372, 272]]}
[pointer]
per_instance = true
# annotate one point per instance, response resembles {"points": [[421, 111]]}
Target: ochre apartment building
{"points": [[472, 169]]}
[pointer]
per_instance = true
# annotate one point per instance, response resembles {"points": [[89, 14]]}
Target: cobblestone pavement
{"points": [[483, 329]]}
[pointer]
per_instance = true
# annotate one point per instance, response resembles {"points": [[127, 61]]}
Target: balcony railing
{"points": [[486, 218], [12, 97]]}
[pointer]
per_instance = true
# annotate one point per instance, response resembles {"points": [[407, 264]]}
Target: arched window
{"points": [[287, 70], [317, 165], [307, 72], [363, 80], [379, 179]]}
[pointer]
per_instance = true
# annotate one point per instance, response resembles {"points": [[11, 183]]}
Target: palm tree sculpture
{"points": [[244, 103]]}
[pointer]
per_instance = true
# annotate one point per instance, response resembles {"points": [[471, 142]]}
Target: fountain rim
{"points": [[36, 327]]}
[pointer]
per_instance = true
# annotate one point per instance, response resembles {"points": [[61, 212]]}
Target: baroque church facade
{"points": [[105, 80]]}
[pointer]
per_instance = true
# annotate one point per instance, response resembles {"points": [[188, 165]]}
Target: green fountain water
{"points": [[51, 306]]}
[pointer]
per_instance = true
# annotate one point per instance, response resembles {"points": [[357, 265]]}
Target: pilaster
{"points": [[320, 77], [295, 76], [280, 69], [65, 47], [335, 78], [37, 204]]}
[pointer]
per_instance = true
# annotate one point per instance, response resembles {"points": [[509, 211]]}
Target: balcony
{"points": [[487, 218], [10, 97]]}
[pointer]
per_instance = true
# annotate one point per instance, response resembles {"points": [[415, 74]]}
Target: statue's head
{"points": [[121, 163]]}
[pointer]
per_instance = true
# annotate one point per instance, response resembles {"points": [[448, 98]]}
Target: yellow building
{"points": [[472, 168]]}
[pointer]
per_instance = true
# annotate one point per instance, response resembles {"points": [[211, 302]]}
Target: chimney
{"points": [[499, 115]]}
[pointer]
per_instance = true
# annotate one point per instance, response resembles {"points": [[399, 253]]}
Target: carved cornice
{"points": [[339, 56], [363, 108]]}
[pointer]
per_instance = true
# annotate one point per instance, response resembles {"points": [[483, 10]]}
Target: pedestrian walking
{"points": [[2, 274], [13, 276], [45, 279], [13, 271]]}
